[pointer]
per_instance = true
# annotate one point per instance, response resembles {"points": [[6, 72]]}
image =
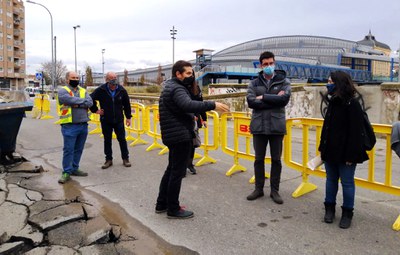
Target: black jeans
{"points": [[119, 129], [260, 143], [171, 181], [191, 157]]}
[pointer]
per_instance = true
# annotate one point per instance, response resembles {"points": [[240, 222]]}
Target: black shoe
{"points": [[192, 170], [276, 197], [181, 214], [255, 194], [160, 209]]}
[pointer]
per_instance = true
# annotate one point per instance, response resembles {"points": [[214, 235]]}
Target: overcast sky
{"points": [[136, 33]]}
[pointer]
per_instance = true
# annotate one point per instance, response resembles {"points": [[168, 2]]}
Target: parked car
{"points": [[32, 91]]}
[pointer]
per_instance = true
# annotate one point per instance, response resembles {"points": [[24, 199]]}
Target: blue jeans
{"points": [[119, 129], [346, 174], [74, 140]]}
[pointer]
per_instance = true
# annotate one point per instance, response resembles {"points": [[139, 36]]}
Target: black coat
{"points": [[114, 109], [176, 109], [341, 138]]}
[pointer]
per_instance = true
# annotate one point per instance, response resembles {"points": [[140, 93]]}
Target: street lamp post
{"points": [[75, 27], [173, 33], [102, 60], [53, 73]]}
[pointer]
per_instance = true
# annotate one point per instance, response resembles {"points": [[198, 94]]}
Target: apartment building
{"points": [[12, 44]]}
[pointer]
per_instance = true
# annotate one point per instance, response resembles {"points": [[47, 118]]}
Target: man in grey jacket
{"points": [[73, 102], [268, 95]]}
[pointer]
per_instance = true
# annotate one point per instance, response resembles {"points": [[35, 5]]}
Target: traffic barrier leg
{"points": [[305, 187], [396, 224]]}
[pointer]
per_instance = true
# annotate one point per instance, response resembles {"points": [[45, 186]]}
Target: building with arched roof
{"points": [[297, 52]]}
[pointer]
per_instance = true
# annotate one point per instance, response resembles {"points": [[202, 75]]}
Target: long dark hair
{"points": [[194, 88], [344, 86]]}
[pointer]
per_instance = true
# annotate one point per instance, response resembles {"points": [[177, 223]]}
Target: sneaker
{"points": [[64, 178], [79, 173], [107, 164], [255, 194], [192, 170], [126, 162], [181, 214]]}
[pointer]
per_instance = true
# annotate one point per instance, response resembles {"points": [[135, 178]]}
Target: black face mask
{"points": [[188, 81], [73, 83]]}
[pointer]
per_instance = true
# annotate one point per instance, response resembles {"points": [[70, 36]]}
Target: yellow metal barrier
{"points": [[369, 182], [95, 119], [152, 128], [41, 107], [206, 144], [137, 124], [241, 129]]}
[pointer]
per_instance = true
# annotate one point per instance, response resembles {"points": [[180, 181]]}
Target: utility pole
{"points": [[173, 33]]}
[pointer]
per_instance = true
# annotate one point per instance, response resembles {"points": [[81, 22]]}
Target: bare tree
{"points": [[159, 75], [88, 76], [142, 79], [125, 78], [61, 70]]}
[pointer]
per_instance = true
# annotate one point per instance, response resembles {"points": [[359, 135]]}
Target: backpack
{"points": [[368, 134]]}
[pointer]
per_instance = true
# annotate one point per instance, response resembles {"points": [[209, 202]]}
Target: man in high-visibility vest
{"points": [[73, 102]]}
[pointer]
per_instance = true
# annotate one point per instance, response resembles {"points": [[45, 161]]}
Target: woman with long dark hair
{"points": [[341, 145], [200, 119]]}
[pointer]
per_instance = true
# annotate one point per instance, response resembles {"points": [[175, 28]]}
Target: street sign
{"points": [[39, 76]]}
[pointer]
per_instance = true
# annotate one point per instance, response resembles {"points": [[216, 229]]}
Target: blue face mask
{"points": [[330, 87], [269, 70]]}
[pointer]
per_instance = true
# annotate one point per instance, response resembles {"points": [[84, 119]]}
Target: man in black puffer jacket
{"points": [[176, 109]]}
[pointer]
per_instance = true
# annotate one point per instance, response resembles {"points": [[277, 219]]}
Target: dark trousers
{"points": [[191, 157], [119, 129], [171, 181], [260, 143]]}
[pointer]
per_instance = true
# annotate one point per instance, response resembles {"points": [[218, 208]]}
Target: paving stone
{"points": [[38, 251], [34, 195], [43, 205], [26, 167], [71, 234], [97, 230], [17, 195], [3, 185], [91, 211], [3, 196], [11, 248], [30, 233], [13, 218], [116, 231], [57, 216], [52, 250], [99, 249]]}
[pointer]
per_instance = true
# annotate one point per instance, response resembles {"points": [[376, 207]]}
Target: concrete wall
{"points": [[381, 101]]}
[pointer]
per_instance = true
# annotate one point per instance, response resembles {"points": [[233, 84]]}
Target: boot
{"points": [[347, 216], [329, 212]]}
